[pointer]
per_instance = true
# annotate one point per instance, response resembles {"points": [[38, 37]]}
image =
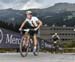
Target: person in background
{"points": [[55, 37]]}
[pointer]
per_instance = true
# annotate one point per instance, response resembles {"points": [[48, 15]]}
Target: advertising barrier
{"points": [[9, 39]]}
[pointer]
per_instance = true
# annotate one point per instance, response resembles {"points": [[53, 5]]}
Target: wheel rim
{"points": [[23, 49]]}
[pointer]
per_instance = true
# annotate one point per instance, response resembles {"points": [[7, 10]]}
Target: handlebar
{"points": [[27, 30]]}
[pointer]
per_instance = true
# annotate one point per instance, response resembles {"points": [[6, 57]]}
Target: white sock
{"points": [[34, 47]]}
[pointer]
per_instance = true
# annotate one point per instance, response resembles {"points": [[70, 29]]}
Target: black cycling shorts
{"points": [[31, 32]]}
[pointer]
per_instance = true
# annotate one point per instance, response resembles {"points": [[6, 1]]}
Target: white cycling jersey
{"points": [[33, 19]]}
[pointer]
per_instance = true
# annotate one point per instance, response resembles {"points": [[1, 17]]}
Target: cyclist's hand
{"points": [[36, 29], [20, 29]]}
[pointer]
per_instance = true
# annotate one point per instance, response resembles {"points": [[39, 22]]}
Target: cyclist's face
{"points": [[29, 16]]}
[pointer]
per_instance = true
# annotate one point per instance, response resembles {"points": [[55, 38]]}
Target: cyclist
{"points": [[32, 23], [55, 41], [55, 37]]}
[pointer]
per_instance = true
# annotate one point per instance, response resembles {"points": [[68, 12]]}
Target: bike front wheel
{"points": [[23, 48]]}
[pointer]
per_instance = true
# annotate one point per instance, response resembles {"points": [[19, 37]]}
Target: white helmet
{"points": [[56, 33], [28, 12]]}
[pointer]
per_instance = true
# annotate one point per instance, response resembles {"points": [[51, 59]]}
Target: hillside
{"points": [[59, 14]]}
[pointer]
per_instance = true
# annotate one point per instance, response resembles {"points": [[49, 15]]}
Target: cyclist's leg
{"points": [[26, 39], [35, 41], [23, 39]]}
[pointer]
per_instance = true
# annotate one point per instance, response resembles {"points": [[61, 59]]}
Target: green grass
{"points": [[4, 50]]}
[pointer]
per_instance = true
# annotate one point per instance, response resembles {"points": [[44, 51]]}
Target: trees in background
{"points": [[9, 26]]}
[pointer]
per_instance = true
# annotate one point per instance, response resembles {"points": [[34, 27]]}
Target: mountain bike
{"points": [[25, 46]]}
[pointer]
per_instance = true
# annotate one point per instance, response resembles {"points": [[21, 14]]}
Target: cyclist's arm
{"points": [[58, 37], [22, 25], [39, 23], [53, 36]]}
